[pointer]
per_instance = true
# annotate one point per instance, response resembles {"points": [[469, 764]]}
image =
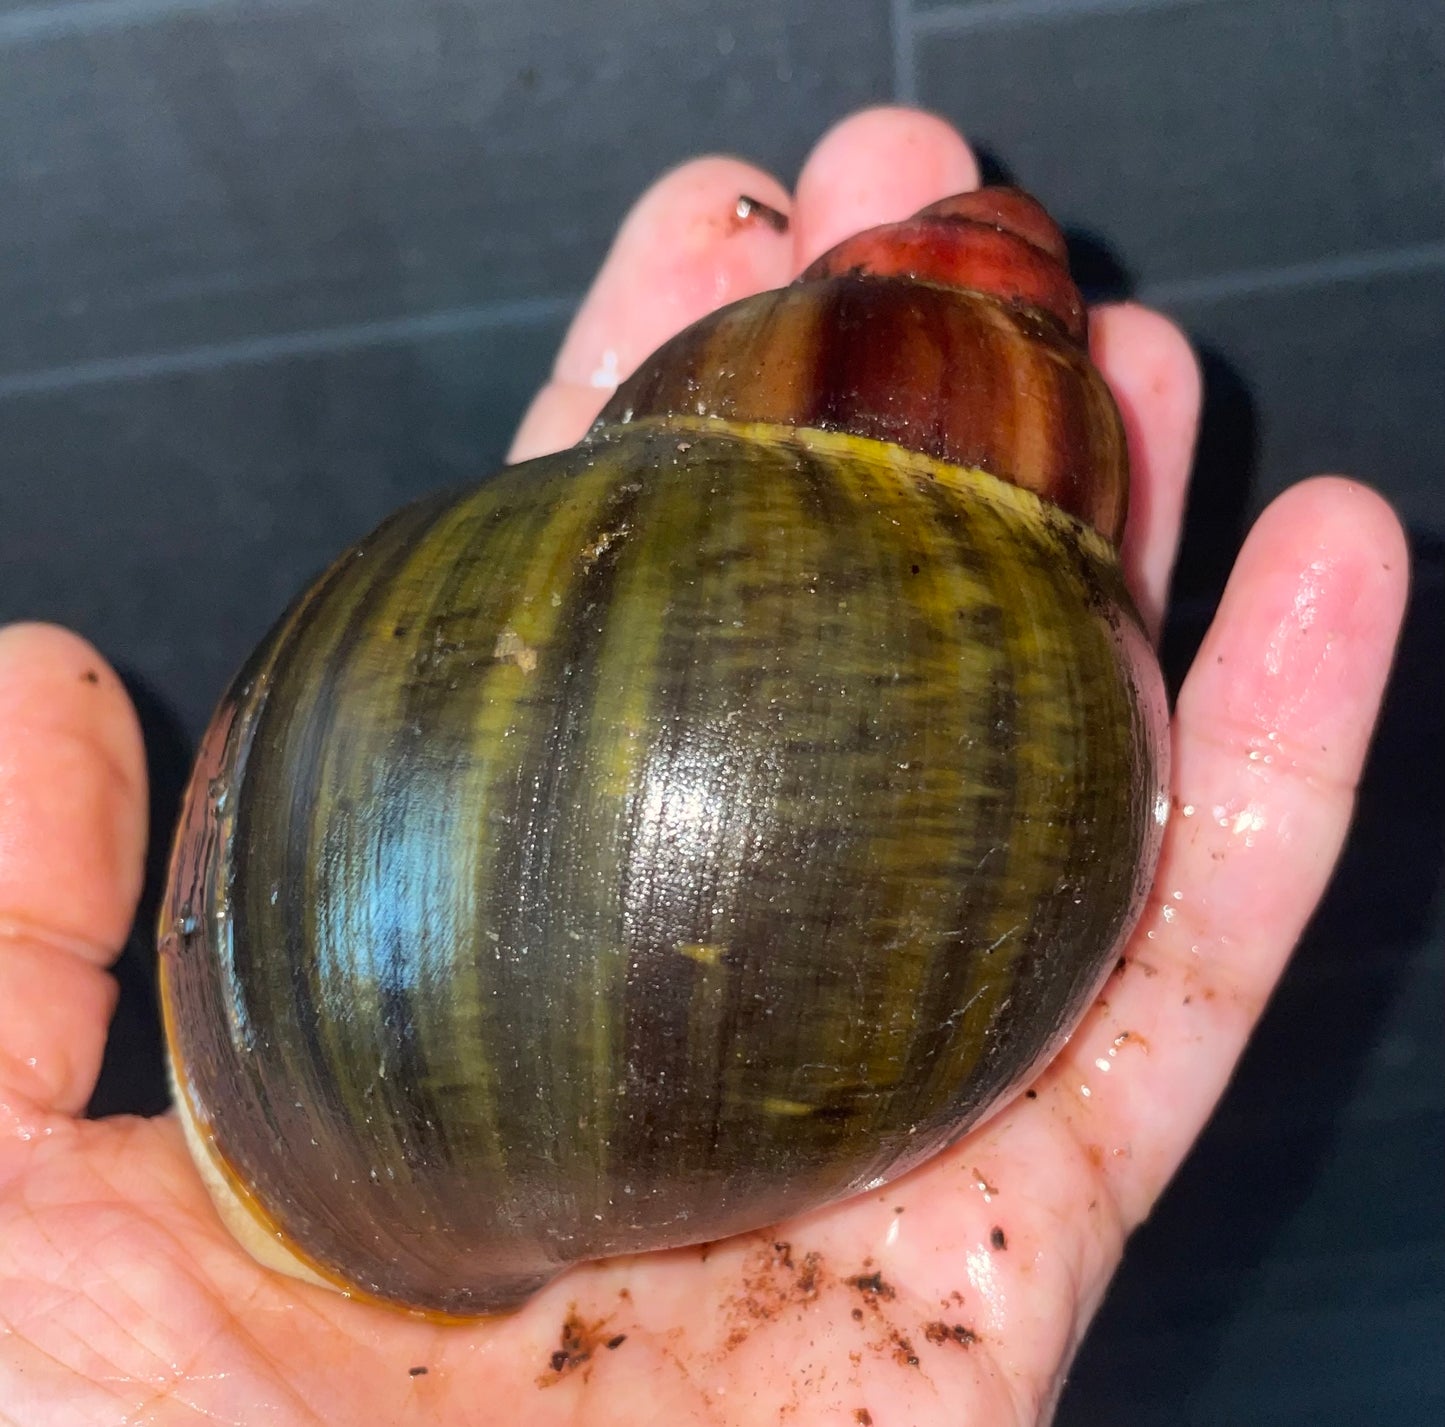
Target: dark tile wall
{"points": [[209, 173], [270, 267], [1206, 136]]}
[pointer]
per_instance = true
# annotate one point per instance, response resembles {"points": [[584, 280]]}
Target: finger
{"points": [[876, 167], [1155, 379], [72, 844], [1270, 734], [681, 252]]}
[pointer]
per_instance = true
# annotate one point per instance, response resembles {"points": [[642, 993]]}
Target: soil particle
{"points": [[578, 1342], [903, 1353], [775, 1282], [863, 1416], [807, 1285], [416, 1372], [872, 1286], [939, 1332]]}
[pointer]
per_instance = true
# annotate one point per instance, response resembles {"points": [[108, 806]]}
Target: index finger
{"points": [[684, 250]]}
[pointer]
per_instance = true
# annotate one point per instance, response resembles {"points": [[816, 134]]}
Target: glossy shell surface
{"points": [[660, 839]]}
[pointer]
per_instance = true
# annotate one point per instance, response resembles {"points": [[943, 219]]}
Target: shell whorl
{"points": [[957, 333]]}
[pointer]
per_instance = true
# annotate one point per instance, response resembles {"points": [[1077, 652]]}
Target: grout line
{"points": [[905, 52], [1352, 267], [983, 14], [43, 22], [490, 317], [456, 321]]}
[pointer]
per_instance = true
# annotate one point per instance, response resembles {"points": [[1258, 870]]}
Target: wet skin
{"points": [[960, 1293]]}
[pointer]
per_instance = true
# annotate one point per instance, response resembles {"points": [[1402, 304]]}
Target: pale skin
{"points": [[122, 1299]]}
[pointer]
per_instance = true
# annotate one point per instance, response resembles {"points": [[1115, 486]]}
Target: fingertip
{"points": [[559, 416], [1301, 648], [681, 251], [1338, 531], [1340, 512], [876, 166], [1155, 377], [1150, 348], [72, 789]]}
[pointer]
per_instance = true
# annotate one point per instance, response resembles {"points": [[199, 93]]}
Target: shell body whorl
{"points": [[660, 839]]}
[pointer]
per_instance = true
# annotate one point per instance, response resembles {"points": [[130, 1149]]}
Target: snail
{"points": [[692, 828]]}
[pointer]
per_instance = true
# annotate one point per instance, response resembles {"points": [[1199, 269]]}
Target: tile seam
{"points": [[353, 336]]}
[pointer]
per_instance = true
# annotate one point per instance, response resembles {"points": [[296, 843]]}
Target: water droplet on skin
{"points": [[1249, 820], [983, 1275]]}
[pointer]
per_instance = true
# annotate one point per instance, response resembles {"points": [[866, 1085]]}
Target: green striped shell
{"points": [[660, 839]]}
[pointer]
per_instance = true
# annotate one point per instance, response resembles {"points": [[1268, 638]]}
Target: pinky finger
{"points": [[1270, 734]]}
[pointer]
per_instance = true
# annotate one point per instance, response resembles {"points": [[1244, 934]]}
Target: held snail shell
{"points": [[694, 827]]}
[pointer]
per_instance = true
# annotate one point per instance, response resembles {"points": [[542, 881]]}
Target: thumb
{"points": [[72, 846]]}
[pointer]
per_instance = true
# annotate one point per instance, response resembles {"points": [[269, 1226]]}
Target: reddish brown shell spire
{"points": [[994, 240], [957, 332]]}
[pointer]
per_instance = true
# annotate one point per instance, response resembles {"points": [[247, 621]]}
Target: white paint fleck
{"points": [[605, 378]]}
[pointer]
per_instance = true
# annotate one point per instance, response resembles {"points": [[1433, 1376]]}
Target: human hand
{"points": [[957, 1294]]}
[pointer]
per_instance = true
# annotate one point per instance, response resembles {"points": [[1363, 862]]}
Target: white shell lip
{"points": [[265, 1246]]}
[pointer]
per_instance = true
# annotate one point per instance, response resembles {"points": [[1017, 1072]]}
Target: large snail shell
{"points": [[658, 840]]}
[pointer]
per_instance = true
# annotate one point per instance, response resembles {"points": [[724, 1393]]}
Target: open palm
{"points": [[956, 1295]]}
